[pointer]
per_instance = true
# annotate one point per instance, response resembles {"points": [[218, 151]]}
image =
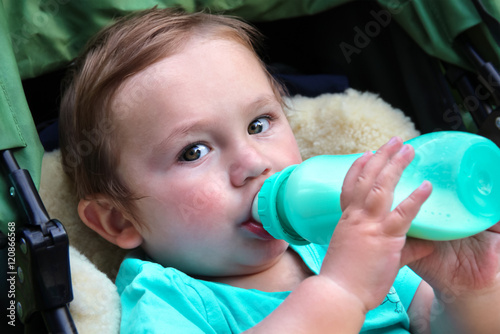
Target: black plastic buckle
{"points": [[44, 279]]}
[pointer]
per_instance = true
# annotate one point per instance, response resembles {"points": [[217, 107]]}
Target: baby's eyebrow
{"points": [[262, 102], [178, 132]]}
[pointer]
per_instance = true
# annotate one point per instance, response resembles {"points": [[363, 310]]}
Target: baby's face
{"points": [[199, 132]]}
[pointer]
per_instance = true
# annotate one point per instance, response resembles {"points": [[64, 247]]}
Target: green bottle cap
{"points": [[265, 203]]}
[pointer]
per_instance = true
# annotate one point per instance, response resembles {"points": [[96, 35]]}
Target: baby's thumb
{"points": [[415, 249]]}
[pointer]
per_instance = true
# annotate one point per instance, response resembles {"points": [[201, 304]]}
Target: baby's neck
{"points": [[285, 275]]}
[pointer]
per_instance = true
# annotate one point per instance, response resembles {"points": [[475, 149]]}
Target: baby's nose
{"points": [[250, 164]]}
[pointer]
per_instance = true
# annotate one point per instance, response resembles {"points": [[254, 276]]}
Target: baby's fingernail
{"points": [[425, 185], [405, 148], [393, 141]]}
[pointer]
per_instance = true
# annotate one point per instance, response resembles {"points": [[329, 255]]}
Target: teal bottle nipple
{"points": [[301, 204]]}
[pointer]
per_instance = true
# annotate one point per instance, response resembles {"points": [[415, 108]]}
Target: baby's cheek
{"points": [[204, 202]]}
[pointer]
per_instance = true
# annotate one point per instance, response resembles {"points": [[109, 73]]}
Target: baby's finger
{"points": [[362, 178], [380, 158], [402, 216], [351, 179], [381, 194]]}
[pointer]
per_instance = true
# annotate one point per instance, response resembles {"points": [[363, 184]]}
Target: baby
{"points": [[186, 124]]}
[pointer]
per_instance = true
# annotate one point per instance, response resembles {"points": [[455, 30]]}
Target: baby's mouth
{"points": [[256, 228]]}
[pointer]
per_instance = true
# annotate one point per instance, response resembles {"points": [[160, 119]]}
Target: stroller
{"points": [[436, 60]]}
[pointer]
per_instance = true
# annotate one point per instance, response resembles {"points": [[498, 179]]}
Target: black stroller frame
{"points": [[41, 266]]}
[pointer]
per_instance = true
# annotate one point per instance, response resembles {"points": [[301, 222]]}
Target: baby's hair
{"points": [[116, 53]]}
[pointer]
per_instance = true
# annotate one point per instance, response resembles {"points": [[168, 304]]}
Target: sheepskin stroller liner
{"points": [[300, 50]]}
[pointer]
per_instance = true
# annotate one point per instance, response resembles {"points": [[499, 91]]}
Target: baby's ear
{"points": [[102, 216]]}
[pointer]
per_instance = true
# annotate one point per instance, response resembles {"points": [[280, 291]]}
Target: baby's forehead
{"points": [[135, 90], [145, 85]]}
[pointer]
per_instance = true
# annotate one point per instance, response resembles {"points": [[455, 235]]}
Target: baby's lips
{"points": [[256, 228]]}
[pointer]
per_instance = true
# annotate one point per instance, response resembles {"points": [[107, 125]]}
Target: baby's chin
{"points": [[265, 256], [254, 262]]}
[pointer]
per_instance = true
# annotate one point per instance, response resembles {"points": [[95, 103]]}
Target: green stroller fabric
{"points": [[48, 34], [17, 129], [436, 24]]}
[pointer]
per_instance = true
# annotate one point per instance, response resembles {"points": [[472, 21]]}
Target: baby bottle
{"points": [[301, 204]]}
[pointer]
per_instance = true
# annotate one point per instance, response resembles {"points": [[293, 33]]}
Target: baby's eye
{"points": [[194, 152], [259, 125]]}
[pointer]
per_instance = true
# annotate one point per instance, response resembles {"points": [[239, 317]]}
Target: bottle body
{"points": [[302, 203]]}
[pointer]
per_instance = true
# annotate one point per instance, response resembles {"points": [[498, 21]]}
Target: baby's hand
{"points": [[368, 245]]}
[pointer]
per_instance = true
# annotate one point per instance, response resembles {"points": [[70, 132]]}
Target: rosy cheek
{"points": [[206, 202]]}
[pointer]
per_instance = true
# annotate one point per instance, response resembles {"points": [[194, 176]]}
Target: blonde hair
{"points": [[118, 52]]}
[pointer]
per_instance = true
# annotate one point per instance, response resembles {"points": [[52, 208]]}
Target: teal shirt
{"points": [[156, 299]]}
